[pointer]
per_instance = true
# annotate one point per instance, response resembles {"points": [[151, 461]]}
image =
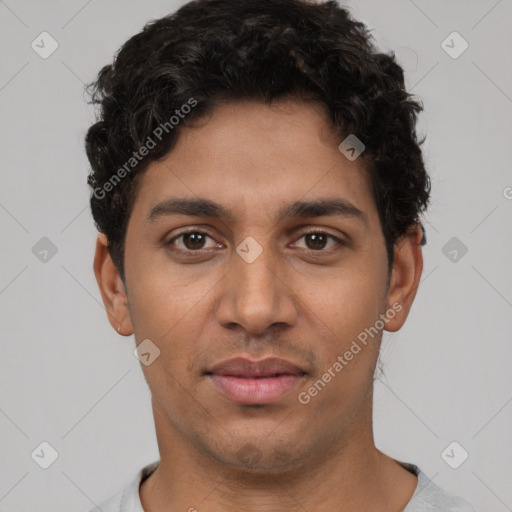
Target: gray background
{"points": [[68, 379]]}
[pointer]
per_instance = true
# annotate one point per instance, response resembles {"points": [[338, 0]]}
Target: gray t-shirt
{"points": [[427, 497]]}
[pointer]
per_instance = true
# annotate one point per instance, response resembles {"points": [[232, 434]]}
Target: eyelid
{"points": [[339, 241], [187, 231], [314, 230]]}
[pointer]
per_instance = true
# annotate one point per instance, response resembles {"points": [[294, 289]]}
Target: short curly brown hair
{"points": [[212, 51]]}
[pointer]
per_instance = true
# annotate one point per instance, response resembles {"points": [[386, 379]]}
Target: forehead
{"points": [[253, 158]]}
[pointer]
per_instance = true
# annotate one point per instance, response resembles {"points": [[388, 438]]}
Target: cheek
{"points": [[343, 315], [342, 308], [171, 308], [163, 294], [345, 302], [168, 313], [171, 317]]}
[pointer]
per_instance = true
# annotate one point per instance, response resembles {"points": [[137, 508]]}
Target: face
{"points": [[253, 274]]}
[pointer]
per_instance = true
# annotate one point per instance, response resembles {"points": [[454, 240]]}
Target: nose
{"points": [[257, 295]]}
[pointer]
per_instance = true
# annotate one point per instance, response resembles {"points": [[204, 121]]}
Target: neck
{"points": [[343, 474]]}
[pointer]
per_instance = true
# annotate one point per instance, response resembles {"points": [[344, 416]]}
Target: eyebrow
{"points": [[200, 207]]}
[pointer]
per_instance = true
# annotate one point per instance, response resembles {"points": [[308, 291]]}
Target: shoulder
{"points": [[128, 500], [429, 497], [113, 504]]}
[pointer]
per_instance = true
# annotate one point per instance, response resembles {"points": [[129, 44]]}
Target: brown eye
{"points": [[318, 241], [194, 240], [190, 241]]}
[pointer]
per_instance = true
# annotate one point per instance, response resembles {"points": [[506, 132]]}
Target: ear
{"points": [[405, 277], [112, 288]]}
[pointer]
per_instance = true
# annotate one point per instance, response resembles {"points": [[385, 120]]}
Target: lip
{"points": [[255, 382]]}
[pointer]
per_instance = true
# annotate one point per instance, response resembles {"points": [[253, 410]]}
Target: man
{"points": [[257, 184]]}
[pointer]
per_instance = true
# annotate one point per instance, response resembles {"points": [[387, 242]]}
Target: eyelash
{"points": [[191, 252]]}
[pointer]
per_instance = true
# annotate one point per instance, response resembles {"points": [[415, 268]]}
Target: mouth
{"points": [[255, 382]]}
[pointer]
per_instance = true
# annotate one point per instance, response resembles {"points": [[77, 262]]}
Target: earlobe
{"points": [[111, 288], [405, 277]]}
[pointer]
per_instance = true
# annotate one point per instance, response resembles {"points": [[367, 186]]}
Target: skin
{"points": [[306, 306]]}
